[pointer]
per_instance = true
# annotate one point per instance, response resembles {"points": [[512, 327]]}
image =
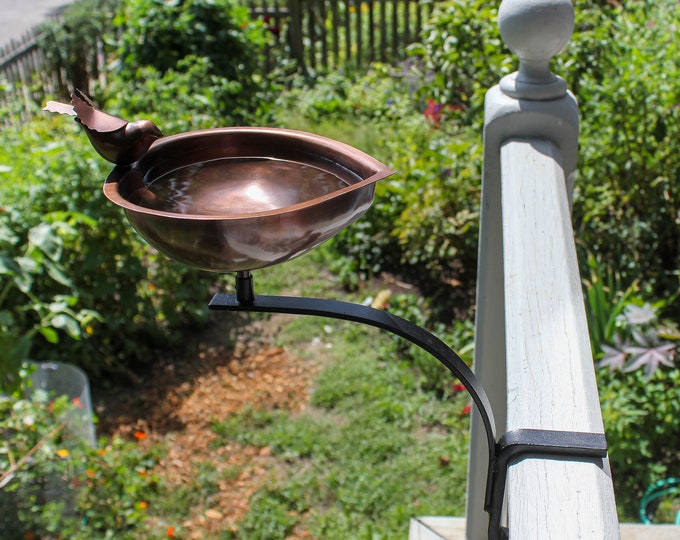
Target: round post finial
{"points": [[535, 30]]}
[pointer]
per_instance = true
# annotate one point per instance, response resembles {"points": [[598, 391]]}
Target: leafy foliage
{"points": [[196, 60], [627, 207], [36, 294], [641, 420], [462, 56], [55, 485], [142, 297], [637, 352], [72, 47]]}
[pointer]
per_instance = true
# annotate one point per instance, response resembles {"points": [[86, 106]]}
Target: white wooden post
{"points": [[532, 349]]}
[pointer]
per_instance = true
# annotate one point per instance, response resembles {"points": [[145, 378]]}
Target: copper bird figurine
{"points": [[116, 140]]}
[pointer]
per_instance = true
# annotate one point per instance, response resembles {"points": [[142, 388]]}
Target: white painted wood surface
{"points": [[443, 528], [530, 103], [436, 528], [550, 373]]}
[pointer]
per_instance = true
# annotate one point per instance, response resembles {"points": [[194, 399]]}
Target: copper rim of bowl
{"points": [[329, 149]]}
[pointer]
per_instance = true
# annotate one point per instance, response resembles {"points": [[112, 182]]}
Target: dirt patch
{"points": [[179, 401]]}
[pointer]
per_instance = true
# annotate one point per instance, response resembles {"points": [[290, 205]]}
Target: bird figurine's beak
{"points": [[117, 140]]}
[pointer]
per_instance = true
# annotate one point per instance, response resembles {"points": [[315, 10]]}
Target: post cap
{"points": [[535, 30]]}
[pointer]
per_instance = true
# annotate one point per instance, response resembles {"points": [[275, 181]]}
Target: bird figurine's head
{"points": [[115, 139]]}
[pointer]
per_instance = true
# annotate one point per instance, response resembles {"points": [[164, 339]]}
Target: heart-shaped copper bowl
{"points": [[237, 199]]}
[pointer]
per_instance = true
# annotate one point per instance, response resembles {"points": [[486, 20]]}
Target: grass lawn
{"points": [[302, 427]]}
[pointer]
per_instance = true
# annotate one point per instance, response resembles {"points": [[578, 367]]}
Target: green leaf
{"points": [[57, 274], [50, 334], [23, 279], [8, 266], [45, 238], [7, 235], [68, 324], [58, 307]]}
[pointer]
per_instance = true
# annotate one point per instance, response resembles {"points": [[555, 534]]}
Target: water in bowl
{"points": [[236, 186]]}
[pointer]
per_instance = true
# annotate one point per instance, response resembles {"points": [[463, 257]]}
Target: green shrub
{"points": [[73, 44], [641, 422], [144, 298], [461, 56], [200, 61], [36, 294], [627, 207], [637, 351]]}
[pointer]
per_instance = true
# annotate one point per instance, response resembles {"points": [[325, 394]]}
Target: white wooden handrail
{"points": [[550, 373], [532, 348]]}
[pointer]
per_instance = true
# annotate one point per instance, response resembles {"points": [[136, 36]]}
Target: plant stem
{"points": [[16, 466]]}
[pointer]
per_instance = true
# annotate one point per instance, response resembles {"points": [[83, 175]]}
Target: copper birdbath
{"points": [[237, 199], [229, 199]]}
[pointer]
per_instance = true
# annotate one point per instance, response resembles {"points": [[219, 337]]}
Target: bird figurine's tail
{"points": [[116, 140]]}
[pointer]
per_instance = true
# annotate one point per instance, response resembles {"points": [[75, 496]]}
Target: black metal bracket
{"points": [[519, 444], [504, 452]]}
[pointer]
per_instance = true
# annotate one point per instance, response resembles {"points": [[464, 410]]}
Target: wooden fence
{"points": [[318, 35], [27, 77], [347, 34], [22, 67]]}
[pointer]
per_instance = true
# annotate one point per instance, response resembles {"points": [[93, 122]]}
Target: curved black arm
{"points": [[245, 300], [380, 319], [513, 446]]}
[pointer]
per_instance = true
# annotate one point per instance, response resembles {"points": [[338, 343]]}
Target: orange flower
{"points": [[143, 505], [140, 435], [170, 533], [90, 473], [63, 453], [77, 403]]}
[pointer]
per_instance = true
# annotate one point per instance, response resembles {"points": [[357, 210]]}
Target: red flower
{"points": [[459, 388], [467, 408], [433, 112], [77, 403], [140, 435], [170, 533]]}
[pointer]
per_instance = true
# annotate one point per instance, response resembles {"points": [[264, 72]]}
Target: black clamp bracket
{"points": [[519, 444], [512, 447]]}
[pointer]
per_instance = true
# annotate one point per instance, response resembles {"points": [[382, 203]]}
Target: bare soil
{"points": [[180, 399]]}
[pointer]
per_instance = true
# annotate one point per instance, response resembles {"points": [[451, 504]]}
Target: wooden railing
{"points": [[532, 348]]}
